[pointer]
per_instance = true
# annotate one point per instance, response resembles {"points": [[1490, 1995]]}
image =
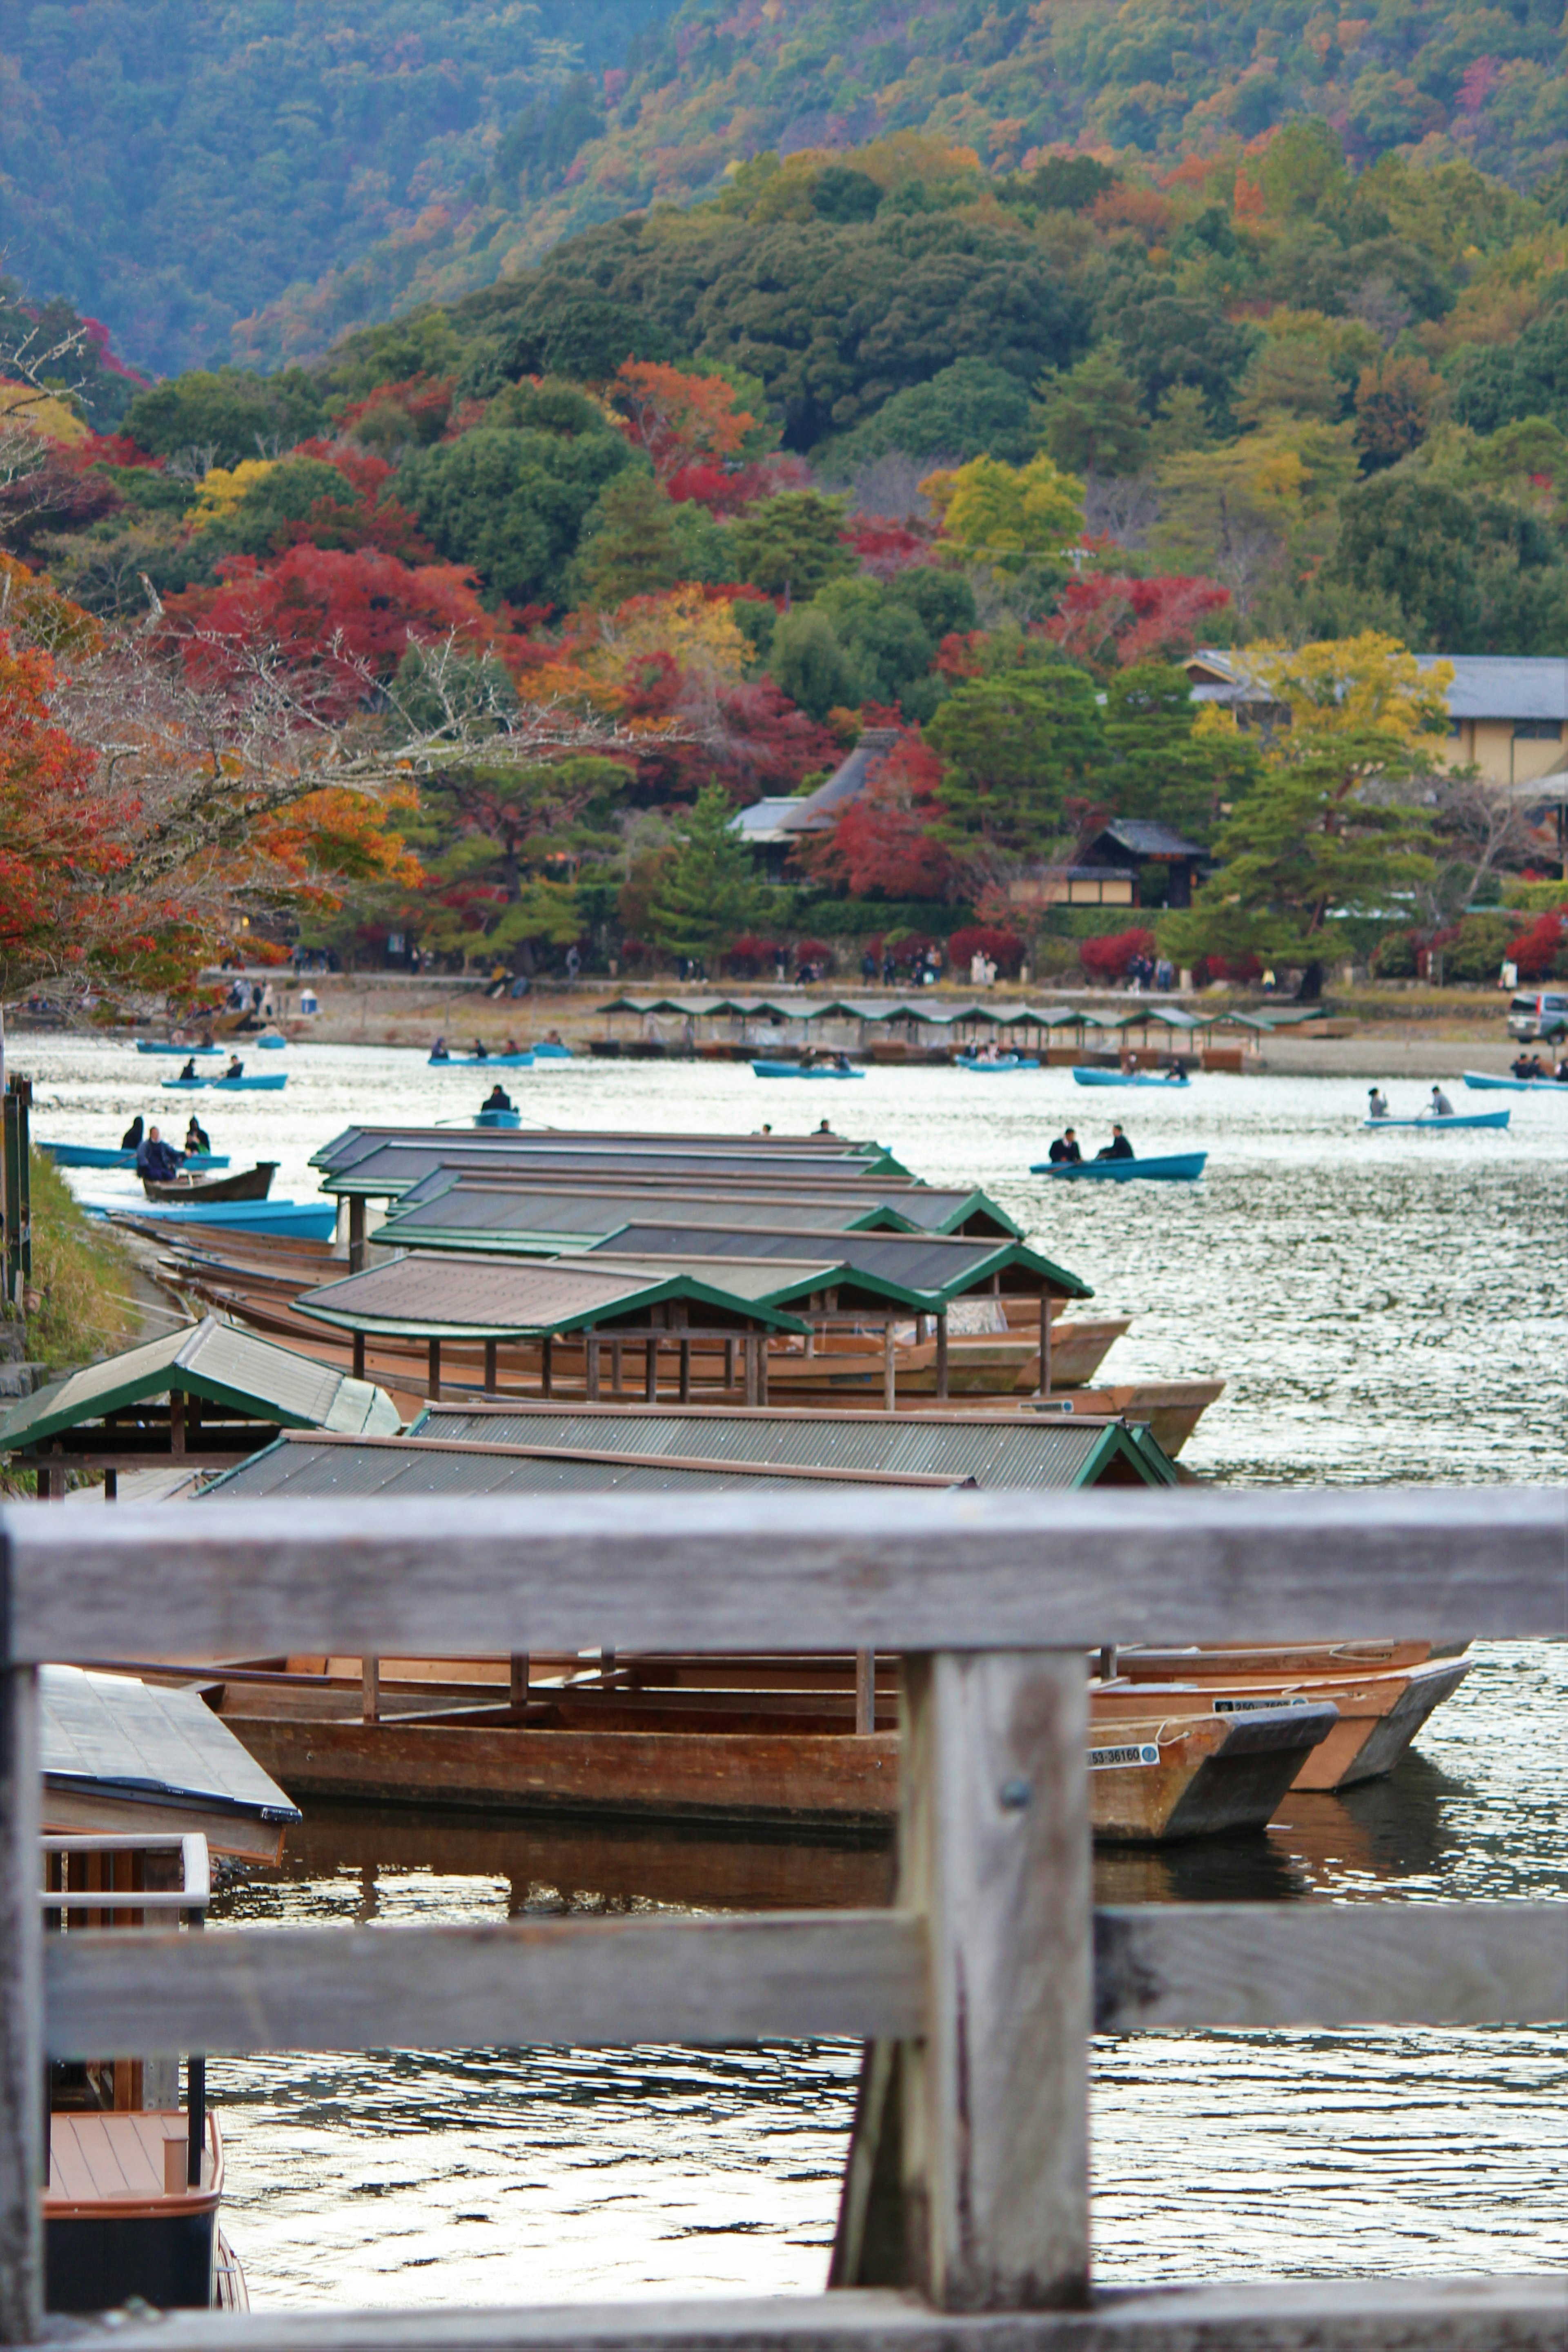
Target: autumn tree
{"points": [[1325, 826], [1009, 516], [503, 847], [883, 844], [679, 419]]}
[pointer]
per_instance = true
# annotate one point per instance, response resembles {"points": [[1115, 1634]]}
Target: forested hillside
{"points": [[719, 82], [171, 166]]}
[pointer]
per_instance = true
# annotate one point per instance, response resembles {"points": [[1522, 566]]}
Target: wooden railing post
{"points": [[22, 2078], [994, 1852]]}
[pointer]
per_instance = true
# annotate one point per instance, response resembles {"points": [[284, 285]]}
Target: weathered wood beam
{"points": [[588, 1982], [909, 1572], [21, 2002], [1386, 2314], [1244, 1964]]}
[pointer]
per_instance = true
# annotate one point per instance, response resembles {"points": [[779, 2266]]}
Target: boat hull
{"points": [[1172, 1168], [1460, 1118], [1083, 1077], [498, 1118], [247, 1184], [273, 1083], [104, 2244], [1480, 1080], [481, 1061], [1008, 1062], [794, 1070], [1150, 1782], [201, 1053], [301, 1220], [93, 1155]]}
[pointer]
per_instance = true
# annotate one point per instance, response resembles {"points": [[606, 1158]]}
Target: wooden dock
{"points": [[966, 2212]]}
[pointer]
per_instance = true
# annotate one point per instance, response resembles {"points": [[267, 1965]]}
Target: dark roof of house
{"points": [[777, 820], [1147, 837]]}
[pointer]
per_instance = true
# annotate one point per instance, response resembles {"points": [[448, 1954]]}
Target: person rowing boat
{"points": [[1376, 1103], [1439, 1106], [1118, 1148]]}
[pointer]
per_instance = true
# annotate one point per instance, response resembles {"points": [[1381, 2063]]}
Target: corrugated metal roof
{"points": [[459, 1298], [938, 1266], [309, 1469], [127, 1738], [844, 1208], [394, 1166], [1039, 1450], [352, 1143], [210, 1360], [566, 1452]]}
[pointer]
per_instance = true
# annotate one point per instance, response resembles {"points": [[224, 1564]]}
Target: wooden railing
{"points": [[966, 2192]]}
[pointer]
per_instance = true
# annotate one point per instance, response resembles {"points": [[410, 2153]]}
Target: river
{"points": [[1385, 1307]]}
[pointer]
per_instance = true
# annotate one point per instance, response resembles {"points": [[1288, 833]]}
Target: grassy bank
{"points": [[81, 1277]]}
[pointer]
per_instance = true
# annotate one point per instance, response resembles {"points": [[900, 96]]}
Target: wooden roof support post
{"points": [[22, 2075], [890, 1368], [359, 1355], [489, 1368], [359, 1248], [1045, 1343], [547, 1365], [968, 2173], [942, 1355], [434, 1383], [650, 1369], [591, 1372]]}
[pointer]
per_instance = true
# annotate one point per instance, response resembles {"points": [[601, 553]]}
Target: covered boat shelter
{"points": [[601, 1302], [200, 1397]]}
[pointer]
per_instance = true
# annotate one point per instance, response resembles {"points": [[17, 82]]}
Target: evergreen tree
{"points": [[633, 549], [793, 545], [1155, 766], [1090, 415], [1016, 746], [708, 892]]}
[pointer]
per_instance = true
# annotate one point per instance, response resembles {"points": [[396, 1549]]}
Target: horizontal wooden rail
{"points": [[1457, 2315], [1242, 1964], [861, 1973], [966, 1570], [586, 1982]]}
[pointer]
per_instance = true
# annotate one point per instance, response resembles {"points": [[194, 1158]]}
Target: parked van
{"points": [[1539, 1014]]}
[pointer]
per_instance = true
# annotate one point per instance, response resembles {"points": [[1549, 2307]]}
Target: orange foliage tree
{"points": [[676, 419]]}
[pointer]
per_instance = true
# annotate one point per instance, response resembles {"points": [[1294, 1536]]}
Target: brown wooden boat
{"points": [[245, 1184], [777, 1742]]}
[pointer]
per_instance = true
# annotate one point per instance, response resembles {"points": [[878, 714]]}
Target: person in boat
{"points": [[1065, 1148], [132, 1139], [236, 1067], [1535, 1069], [825, 1128], [498, 1098], [154, 1159], [1439, 1106], [1561, 1072], [438, 1052], [190, 1069], [511, 1048], [1118, 1148], [1376, 1103], [1519, 1066], [840, 1062], [481, 1051], [196, 1138]]}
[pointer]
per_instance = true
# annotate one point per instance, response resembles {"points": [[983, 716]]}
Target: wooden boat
{"points": [[776, 1748], [1379, 1713], [1172, 1167], [1088, 1078], [245, 1184], [1173, 1409], [96, 1155], [498, 1118], [272, 1082], [979, 1363], [293, 1220], [1456, 1119], [1002, 1062], [1481, 1078], [803, 1070], [523, 1061], [162, 1045]]}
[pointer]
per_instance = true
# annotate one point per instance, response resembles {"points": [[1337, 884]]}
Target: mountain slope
{"points": [[171, 166], [1167, 78]]}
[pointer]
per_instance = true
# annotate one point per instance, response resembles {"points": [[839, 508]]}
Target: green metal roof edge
{"points": [[191, 1382]]}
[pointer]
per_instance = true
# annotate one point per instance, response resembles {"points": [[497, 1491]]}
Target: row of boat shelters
{"points": [[1027, 1024], [704, 1248]]}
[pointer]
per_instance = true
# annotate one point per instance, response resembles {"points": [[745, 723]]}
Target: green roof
{"points": [[212, 1361]]}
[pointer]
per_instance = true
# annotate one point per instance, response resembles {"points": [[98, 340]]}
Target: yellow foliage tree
{"points": [[1008, 516], [223, 488]]}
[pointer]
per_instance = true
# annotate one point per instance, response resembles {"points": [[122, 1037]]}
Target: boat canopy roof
{"points": [[435, 1296], [544, 1202], [631, 1453], [213, 1360], [115, 1737]]}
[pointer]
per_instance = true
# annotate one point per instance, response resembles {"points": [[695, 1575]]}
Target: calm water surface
{"points": [[1385, 1307]]}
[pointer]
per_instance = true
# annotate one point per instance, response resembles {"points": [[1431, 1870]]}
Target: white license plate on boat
{"points": [[1105, 1760]]}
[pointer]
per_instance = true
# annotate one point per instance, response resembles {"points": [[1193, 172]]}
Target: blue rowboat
{"points": [[309, 1220], [157, 1045], [483, 1061], [551, 1053], [1458, 1118], [1174, 1168], [273, 1083], [98, 1155], [1082, 1077], [797, 1070], [1002, 1062], [1479, 1078], [498, 1118]]}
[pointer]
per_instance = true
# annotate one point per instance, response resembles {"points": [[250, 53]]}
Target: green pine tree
{"points": [[709, 894], [633, 549]]}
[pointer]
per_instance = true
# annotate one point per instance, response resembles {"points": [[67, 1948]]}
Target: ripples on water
{"points": [[1385, 1307]]}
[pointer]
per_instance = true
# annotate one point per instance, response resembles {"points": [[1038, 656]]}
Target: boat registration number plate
{"points": [[1102, 1759], [1251, 1705]]}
